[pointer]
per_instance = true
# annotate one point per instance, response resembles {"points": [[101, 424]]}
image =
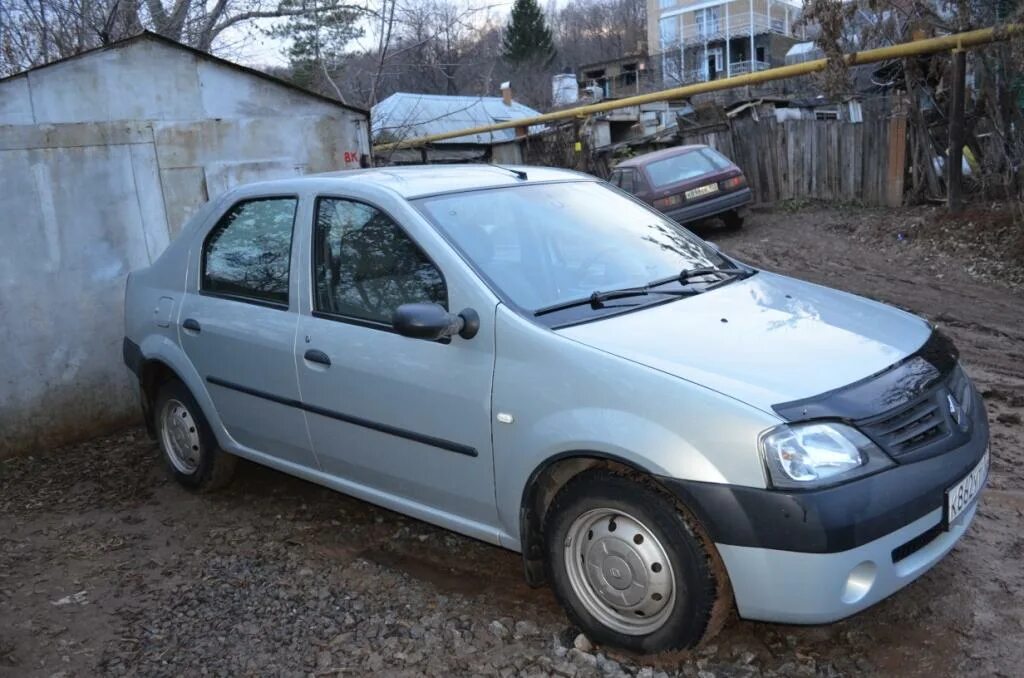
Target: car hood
{"points": [[764, 340]]}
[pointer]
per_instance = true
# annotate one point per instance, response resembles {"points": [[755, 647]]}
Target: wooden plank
{"points": [[856, 145], [897, 160], [837, 160], [869, 162]]}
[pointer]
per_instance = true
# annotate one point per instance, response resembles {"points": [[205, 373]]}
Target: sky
{"points": [[250, 46]]}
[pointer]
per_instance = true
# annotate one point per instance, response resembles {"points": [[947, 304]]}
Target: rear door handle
{"points": [[191, 325], [315, 356]]}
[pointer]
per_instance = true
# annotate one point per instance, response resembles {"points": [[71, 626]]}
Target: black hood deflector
{"points": [[889, 389]]}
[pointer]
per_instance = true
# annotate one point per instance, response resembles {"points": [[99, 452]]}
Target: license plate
{"points": [[960, 496], [703, 190]]}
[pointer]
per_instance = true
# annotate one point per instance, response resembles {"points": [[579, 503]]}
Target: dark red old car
{"points": [[687, 183]]}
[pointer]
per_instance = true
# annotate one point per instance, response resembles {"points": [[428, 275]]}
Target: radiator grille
{"points": [[922, 426]]}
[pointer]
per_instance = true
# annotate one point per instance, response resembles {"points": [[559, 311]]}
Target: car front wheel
{"points": [[189, 446], [629, 568]]}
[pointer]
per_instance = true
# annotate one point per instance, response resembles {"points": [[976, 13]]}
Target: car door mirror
{"points": [[433, 322]]}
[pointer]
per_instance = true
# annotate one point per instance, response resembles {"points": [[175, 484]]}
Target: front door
{"points": [[404, 418], [238, 323]]}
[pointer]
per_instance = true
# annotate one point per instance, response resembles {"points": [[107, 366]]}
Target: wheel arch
{"points": [[544, 483], [160, 358], [153, 373]]}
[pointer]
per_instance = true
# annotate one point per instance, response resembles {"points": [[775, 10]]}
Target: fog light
{"points": [[859, 582]]}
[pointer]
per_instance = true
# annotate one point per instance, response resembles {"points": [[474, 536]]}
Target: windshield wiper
{"points": [[684, 276], [597, 298]]}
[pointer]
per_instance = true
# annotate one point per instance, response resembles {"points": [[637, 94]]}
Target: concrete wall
{"points": [[87, 196]]}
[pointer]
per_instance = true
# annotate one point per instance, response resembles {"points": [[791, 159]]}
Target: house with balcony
{"points": [[699, 40]]}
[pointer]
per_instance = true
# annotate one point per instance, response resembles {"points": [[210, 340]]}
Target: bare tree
{"points": [[38, 31]]}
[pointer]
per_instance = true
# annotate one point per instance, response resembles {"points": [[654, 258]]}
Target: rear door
{"points": [[238, 324], [407, 420]]}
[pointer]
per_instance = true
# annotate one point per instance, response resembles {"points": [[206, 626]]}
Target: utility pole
{"points": [[954, 175]]}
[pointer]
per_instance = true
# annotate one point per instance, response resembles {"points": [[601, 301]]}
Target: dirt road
{"points": [[106, 567]]}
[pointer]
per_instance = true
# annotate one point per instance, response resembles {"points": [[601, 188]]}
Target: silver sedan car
{"points": [[532, 357]]}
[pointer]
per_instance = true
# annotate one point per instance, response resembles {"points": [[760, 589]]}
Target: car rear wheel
{"points": [[189, 446], [629, 568], [733, 219]]}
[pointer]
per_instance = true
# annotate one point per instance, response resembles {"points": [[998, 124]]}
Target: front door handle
{"points": [[315, 356], [191, 325]]}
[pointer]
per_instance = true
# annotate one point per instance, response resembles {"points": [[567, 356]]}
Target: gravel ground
{"points": [[107, 567]]}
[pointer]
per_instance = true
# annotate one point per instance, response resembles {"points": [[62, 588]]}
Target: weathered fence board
{"points": [[830, 160]]}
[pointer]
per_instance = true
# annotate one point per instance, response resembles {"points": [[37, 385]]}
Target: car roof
{"points": [[419, 180], [641, 160]]}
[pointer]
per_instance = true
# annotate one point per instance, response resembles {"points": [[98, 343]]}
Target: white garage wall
{"points": [[87, 196]]}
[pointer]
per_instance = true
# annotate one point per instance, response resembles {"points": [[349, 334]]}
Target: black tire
{"points": [[733, 220], [215, 467], [702, 598]]}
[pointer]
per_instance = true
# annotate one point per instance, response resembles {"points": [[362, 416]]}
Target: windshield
{"points": [[544, 244], [686, 166]]}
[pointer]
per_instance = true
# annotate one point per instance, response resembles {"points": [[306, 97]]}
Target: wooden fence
{"points": [[857, 162]]}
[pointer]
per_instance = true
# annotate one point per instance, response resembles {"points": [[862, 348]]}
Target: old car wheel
{"points": [[629, 568], [733, 220], [187, 442]]}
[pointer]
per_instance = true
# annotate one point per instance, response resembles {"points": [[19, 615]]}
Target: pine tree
{"points": [[527, 36], [317, 38]]}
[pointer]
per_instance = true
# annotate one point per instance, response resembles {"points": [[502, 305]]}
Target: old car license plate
{"points": [[702, 190], [961, 495]]}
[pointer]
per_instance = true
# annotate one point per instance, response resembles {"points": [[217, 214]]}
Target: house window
{"points": [[669, 28], [760, 54], [672, 67], [247, 255], [628, 75], [666, 4], [707, 22]]}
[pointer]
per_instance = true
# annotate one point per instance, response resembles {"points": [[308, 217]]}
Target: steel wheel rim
{"points": [[620, 571], [180, 436]]}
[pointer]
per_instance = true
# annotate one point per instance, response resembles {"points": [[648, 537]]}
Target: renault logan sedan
{"points": [[530, 357]]}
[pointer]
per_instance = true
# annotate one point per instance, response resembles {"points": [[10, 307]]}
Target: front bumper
{"points": [[711, 207], [817, 556], [817, 588]]}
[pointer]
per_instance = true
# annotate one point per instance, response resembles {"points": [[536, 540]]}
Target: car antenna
{"points": [[520, 174]]}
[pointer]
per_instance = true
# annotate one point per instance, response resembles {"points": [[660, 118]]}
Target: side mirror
{"points": [[432, 322]]}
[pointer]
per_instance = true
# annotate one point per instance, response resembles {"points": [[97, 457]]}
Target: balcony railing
{"points": [[741, 67], [739, 25], [735, 68]]}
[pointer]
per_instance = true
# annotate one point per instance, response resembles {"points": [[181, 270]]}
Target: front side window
{"points": [[248, 253], [365, 266], [686, 166], [544, 244]]}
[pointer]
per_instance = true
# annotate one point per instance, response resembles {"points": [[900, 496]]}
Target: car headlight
{"points": [[819, 453]]}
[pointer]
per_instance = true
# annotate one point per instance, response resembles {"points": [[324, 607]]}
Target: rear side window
{"points": [[365, 266], [248, 253], [628, 183]]}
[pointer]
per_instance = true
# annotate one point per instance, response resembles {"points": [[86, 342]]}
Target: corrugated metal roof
{"points": [[405, 115]]}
